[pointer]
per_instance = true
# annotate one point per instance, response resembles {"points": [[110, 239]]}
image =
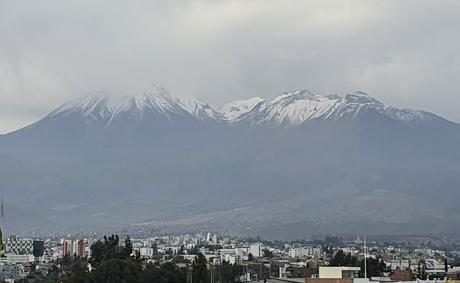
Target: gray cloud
{"points": [[405, 53]]}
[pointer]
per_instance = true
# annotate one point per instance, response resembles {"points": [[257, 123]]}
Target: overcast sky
{"points": [[405, 53]]}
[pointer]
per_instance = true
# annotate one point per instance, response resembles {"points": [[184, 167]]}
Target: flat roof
{"points": [[345, 268]]}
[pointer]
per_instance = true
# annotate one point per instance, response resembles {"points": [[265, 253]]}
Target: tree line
{"points": [[112, 262], [375, 266]]}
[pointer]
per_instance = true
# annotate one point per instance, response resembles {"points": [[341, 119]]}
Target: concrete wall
{"points": [[334, 272]]}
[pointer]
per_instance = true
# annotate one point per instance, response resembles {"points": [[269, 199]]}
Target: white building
{"points": [[146, 252], [434, 264], [231, 258], [255, 250], [338, 272], [300, 252], [425, 251], [14, 258], [242, 251], [18, 246], [283, 271], [401, 264], [211, 239]]}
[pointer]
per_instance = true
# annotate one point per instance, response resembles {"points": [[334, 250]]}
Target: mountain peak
{"points": [[200, 109], [235, 110], [290, 109], [147, 106], [157, 98], [301, 94], [294, 108], [359, 97], [93, 105]]}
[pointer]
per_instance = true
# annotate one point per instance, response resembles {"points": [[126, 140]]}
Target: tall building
{"points": [[80, 248], [67, 248], [18, 246], [38, 248], [211, 239], [73, 247]]}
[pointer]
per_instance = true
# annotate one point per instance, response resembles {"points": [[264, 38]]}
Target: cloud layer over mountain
{"points": [[404, 53]]}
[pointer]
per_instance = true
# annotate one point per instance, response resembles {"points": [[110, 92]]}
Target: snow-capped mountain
{"points": [[410, 115], [94, 107], [149, 110], [159, 102], [301, 156], [158, 108], [101, 110], [292, 109], [353, 105], [236, 110], [201, 110]]}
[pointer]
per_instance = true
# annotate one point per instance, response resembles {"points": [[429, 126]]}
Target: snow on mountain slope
{"points": [[410, 115], [93, 107], [200, 110], [235, 110], [353, 104], [292, 109], [358, 102], [103, 109], [156, 103]]}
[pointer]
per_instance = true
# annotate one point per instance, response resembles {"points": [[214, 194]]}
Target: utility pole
{"points": [[260, 271], [2, 215], [2, 209], [189, 274], [365, 258], [212, 273]]}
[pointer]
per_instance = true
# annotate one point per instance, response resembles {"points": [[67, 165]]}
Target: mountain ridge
{"points": [[301, 157], [290, 109]]}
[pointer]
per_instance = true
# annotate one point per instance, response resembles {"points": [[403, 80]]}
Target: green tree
{"points": [[113, 263], [200, 269], [104, 250], [2, 245], [375, 267], [338, 259], [78, 273], [118, 271], [164, 273], [342, 259], [267, 253], [230, 272], [128, 249]]}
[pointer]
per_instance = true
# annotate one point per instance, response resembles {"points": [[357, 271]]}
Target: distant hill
{"points": [[296, 165]]}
